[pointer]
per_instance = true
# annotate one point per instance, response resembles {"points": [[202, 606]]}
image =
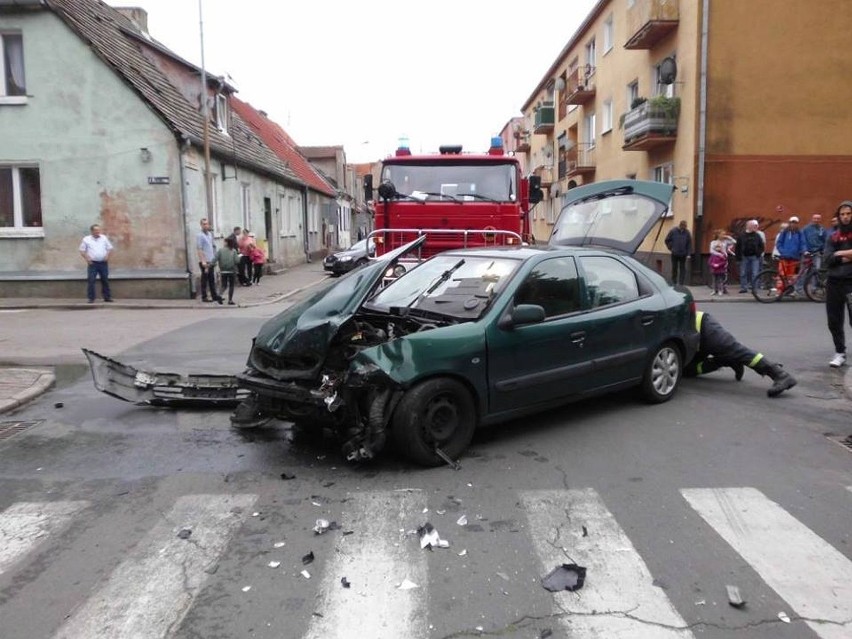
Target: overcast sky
{"points": [[363, 74]]}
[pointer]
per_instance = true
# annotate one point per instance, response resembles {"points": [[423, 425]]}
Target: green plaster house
{"points": [[100, 123]]}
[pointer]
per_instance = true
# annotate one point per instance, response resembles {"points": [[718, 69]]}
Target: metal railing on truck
{"points": [[439, 240]]}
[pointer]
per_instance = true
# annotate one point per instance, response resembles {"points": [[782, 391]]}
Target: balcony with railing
{"points": [[649, 21], [580, 86], [651, 124], [544, 118], [545, 172], [522, 141], [578, 160]]}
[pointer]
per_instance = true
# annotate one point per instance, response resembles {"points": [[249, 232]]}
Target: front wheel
{"points": [[815, 287], [662, 374], [438, 413], [764, 289]]}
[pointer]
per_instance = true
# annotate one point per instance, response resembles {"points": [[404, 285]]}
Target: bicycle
{"points": [[766, 289]]}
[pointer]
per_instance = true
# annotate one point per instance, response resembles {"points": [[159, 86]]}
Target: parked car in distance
{"points": [[356, 255], [473, 337]]}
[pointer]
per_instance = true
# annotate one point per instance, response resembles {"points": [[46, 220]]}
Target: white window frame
{"points": [[245, 204], [222, 112], [18, 229], [606, 116], [632, 93], [4, 98], [313, 217], [591, 55], [589, 133], [667, 90], [608, 33]]}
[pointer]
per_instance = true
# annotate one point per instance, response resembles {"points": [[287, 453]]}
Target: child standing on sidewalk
{"points": [[718, 262], [227, 257], [258, 259]]}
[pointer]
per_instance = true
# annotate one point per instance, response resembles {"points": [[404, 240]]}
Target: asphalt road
{"points": [[664, 505]]}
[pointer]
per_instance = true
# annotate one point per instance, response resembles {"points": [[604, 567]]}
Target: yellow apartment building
{"points": [[744, 106]]}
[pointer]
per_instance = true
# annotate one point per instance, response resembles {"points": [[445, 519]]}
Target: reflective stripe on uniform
{"points": [[699, 315], [755, 360]]}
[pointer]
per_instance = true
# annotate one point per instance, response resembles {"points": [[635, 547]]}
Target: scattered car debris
{"points": [[446, 458], [184, 533], [287, 476], [701, 602], [585, 532], [547, 632], [734, 597], [783, 617], [305, 574], [246, 588], [58, 405], [255, 514], [462, 521], [274, 564], [429, 537], [462, 553], [279, 544], [323, 525], [345, 582], [480, 629], [163, 389], [565, 577], [308, 558], [407, 585], [503, 576]]}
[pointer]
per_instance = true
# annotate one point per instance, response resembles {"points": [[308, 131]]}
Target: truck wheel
{"points": [[662, 374], [437, 413]]}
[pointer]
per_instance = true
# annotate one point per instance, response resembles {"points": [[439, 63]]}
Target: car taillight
{"points": [[693, 307]]}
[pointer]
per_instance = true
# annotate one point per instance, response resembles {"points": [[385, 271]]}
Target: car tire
{"points": [[662, 374], [440, 413]]}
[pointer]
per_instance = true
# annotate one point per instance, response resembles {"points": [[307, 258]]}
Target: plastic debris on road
{"points": [[734, 597], [345, 582], [287, 476], [274, 564], [279, 544], [246, 588], [305, 574], [462, 553], [462, 521], [184, 534], [429, 537], [308, 558], [407, 585], [783, 617], [323, 525], [565, 577]]}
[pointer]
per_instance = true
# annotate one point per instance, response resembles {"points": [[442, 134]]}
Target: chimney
{"points": [[137, 15]]}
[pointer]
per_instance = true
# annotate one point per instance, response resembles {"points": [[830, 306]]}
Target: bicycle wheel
{"points": [[764, 290], [815, 286]]}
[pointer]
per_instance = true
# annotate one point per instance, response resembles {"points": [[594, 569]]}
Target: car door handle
{"points": [[578, 338], [647, 320]]}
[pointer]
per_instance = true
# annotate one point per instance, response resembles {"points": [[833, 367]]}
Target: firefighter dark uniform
{"points": [[718, 348]]}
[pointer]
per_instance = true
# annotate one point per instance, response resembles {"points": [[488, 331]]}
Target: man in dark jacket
{"points": [[838, 287], [749, 251], [679, 243], [719, 348]]}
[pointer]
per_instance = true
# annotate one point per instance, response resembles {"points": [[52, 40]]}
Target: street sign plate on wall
{"points": [[158, 180]]}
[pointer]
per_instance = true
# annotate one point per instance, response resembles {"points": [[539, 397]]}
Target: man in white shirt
{"points": [[95, 249]]}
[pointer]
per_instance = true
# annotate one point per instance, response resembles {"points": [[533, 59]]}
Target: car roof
{"points": [[523, 252]]}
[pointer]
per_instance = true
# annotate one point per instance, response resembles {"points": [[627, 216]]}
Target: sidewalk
{"points": [[19, 385]]}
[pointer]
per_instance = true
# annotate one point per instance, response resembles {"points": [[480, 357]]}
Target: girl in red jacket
{"points": [[258, 259]]}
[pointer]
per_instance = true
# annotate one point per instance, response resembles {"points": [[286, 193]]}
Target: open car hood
{"points": [[294, 343], [615, 214]]}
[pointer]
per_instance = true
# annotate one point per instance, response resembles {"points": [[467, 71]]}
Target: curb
{"points": [[43, 382]]}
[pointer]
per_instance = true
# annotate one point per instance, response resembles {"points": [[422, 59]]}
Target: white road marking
{"points": [[25, 525], [618, 598], [149, 593], [376, 559], [808, 573]]}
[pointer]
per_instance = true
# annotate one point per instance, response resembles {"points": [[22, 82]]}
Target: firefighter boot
{"points": [[781, 379]]}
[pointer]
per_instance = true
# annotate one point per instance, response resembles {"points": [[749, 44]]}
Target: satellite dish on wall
{"points": [[668, 70]]}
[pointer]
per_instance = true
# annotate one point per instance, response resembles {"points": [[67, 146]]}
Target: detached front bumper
{"points": [[268, 388]]}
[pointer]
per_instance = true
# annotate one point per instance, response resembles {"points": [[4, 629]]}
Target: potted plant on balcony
{"points": [[668, 107]]}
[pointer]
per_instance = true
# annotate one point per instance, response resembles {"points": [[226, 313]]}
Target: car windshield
{"points": [[615, 217], [460, 181], [457, 285]]}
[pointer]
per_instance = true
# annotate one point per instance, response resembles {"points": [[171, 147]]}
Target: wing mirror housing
{"points": [[521, 315]]}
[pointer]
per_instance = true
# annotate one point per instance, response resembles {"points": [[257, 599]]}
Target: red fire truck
{"points": [[456, 199]]}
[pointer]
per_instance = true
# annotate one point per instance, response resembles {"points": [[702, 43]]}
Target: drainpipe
{"points": [[184, 207], [702, 131], [305, 236]]}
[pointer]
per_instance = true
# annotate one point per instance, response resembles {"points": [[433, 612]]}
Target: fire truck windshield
{"points": [[473, 182]]}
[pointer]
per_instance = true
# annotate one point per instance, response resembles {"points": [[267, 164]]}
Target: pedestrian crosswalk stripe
{"points": [[618, 598], [809, 574], [149, 593], [376, 558], [26, 524]]}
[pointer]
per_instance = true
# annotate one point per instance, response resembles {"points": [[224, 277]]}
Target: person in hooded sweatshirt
{"points": [[838, 289]]}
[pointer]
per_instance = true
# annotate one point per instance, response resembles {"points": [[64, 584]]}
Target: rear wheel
{"points": [[815, 286], [662, 374], [438, 413], [764, 290]]}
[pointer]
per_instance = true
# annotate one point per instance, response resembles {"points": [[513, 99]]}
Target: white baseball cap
{"points": [[794, 219]]}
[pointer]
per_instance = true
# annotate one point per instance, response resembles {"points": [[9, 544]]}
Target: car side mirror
{"points": [[521, 315]]}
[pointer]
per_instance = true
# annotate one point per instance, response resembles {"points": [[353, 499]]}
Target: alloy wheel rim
{"points": [[665, 371]]}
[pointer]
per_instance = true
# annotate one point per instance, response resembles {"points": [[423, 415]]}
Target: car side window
{"points": [[608, 281], [553, 285]]}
